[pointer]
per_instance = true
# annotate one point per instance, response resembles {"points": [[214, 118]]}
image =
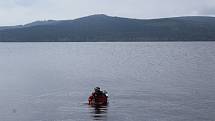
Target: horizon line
{"points": [[45, 20]]}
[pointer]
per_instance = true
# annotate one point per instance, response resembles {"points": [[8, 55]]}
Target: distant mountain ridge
{"points": [[103, 28]]}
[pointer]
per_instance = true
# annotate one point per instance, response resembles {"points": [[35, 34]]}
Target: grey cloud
{"points": [[22, 11], [207, 11], [26, 2]]}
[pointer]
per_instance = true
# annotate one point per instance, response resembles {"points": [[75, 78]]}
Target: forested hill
{"points": [[102, 28]]}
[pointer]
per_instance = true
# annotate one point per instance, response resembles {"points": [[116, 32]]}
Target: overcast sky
{"points": [[13, 12]]}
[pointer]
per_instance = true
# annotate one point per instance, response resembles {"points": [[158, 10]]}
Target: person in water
{"points": [[98, 97]]}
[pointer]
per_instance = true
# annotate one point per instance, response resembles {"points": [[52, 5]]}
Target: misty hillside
{"points": [[104, 28]]}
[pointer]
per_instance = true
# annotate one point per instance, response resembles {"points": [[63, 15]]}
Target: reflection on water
{"points": [[147, 81], [99, 113]]}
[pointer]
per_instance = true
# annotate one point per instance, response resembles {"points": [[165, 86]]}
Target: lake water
{"points": [[167, 81]]}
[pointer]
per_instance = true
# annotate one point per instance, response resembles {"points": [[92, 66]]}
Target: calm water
{"points": [[146, 81]]}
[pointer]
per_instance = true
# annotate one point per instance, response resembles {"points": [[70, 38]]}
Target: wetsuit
{"points": [[98, 97]]}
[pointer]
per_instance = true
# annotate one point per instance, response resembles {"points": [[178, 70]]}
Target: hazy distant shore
{"points": [[103, 28]]}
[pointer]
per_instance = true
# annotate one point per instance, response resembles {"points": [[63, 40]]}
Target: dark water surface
{"points": [[146, 81]]}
